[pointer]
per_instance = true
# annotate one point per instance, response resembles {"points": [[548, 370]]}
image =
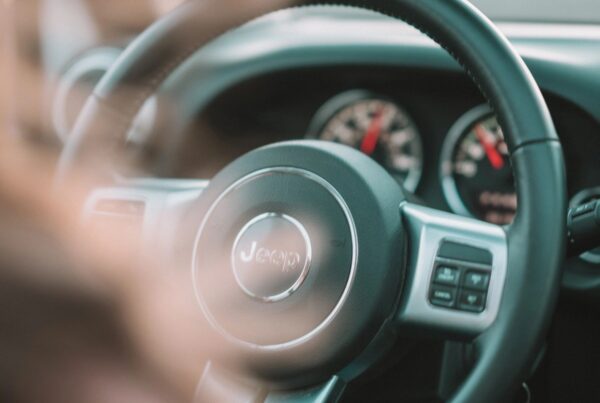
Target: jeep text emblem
{"points": [[285, 260], [271, 257]]}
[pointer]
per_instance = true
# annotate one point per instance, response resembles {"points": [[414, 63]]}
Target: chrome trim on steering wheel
{"points": [[354, 238], [427, 229]]}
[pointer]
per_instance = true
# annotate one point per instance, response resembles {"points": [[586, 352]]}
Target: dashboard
{"points": [[371, 83], [430, 129]]}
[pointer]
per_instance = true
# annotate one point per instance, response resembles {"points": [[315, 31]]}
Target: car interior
{"points": [[300, 201]]}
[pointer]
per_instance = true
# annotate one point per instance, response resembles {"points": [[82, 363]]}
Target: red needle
{"points": [[372, 135], [490, 149]]}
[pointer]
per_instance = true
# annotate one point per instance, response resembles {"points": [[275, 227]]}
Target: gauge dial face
{"points": [[377, 127], [476, 171]]}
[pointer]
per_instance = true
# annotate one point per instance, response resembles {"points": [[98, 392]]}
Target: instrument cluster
{"points": [[475, 171]]}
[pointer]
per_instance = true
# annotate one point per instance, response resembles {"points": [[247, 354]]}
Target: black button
{"points": [[466, 253], [446, 275], [472, 301], [477, 280], [443, 296]]}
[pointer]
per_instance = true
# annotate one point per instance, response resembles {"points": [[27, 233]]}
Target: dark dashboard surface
{"points": [[281, 106]]}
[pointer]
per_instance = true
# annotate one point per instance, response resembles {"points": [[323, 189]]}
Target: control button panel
{"points": [[458, 281]]}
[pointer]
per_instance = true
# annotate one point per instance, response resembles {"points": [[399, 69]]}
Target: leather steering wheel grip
{"points": [[536, 239]]}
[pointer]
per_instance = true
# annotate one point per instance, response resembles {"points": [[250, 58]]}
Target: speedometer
{"points": [[378, 127], [476, 173]]}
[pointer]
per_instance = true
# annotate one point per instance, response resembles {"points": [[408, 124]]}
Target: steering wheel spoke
{"points": [[456, 272], [218, 384], [151, 207], [328, 392]]}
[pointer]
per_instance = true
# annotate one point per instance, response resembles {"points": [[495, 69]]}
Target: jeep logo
{"points": [[285, 261], [271, 257]]}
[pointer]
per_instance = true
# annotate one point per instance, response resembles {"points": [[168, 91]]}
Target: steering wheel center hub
{"points": [[272, 244], [299, 243]]}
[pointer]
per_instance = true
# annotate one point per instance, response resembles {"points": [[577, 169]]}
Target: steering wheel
{"points": [[308, 259]]}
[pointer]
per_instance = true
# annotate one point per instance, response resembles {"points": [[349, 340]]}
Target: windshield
{"points": [[570, 11]]}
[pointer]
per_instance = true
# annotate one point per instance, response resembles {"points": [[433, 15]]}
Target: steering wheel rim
{"points": [[535, 239]]}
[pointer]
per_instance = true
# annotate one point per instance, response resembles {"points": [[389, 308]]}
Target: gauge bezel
{"points": [[449, 188], [340, 101]]}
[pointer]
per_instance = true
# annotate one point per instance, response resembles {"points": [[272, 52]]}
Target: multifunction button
{"points": [[471, 301], [443, 296], [446, 275], [476, 280], [461, 277]]}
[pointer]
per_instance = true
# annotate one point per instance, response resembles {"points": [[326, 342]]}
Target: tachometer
{"points": [[378, 127], [475, 169]]}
